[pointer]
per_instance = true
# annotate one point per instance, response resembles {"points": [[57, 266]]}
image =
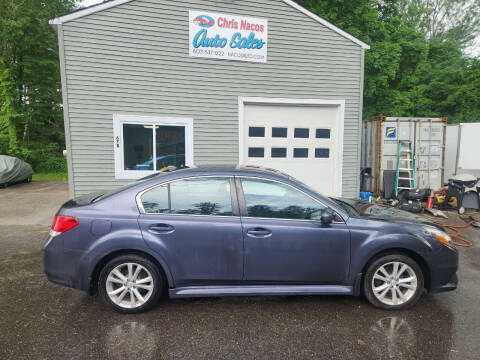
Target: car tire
{"points": [[393, 282], [131, 284]]}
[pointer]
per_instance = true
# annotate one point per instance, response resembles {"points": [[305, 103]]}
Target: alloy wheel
{"points": [[129, 285], [394, 283]]}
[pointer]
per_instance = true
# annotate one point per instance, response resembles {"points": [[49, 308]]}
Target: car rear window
{"points": [[126, 187]]}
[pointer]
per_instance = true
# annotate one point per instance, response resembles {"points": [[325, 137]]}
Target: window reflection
{"points": [[170, 143], [190, 196], [201, 197], [137, 147], [139, 150], [155, 201], [268, 199]]}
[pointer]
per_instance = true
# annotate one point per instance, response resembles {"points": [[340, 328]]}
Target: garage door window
{"points": [[278, 132], [300, 153], [256, 131], [146, 145], [322, 153], [279, 152], [323, 134], [209, 196], [302, 133], [256, 152], [267, 199]]}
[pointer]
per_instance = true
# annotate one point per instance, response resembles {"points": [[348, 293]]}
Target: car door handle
{"points": [[259, 232], [161, 228]]}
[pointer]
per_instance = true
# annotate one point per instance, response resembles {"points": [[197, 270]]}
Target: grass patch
{"points": [[50, 176]]}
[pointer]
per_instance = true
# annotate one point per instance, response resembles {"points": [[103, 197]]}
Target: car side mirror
{"points": [[327, 217]]}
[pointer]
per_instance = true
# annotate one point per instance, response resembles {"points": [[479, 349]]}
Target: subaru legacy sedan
{"points": [[236, 231]]}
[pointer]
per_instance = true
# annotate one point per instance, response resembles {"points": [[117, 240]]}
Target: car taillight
{"points": [[63, 223]]}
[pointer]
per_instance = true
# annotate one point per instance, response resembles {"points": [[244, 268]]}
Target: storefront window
{"points": [[145, 145], [138, 147], [170, 146]]}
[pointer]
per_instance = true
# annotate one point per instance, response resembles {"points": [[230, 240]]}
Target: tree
{"points": [[457, 20], [415, 66], [30, 102]]}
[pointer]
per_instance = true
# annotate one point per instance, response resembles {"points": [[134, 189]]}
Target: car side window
{"points": [[268, 199], [199, 196], [155, 201]]}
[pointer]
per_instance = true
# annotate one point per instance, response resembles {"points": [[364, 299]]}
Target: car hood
{"points": [[383, 212]]}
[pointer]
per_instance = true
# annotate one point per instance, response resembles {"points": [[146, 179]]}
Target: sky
{"points": [[473, 50], [91, 2]]}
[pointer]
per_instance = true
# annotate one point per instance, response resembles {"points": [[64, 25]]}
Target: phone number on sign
{"points": [[209, 52]]}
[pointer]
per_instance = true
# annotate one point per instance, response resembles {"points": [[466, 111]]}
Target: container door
{"points": [[429, 154], [451, 151], [469, 149], [392, 132]]}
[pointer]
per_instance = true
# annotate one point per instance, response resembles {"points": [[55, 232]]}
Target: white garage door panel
{"points": [[320, 168]]}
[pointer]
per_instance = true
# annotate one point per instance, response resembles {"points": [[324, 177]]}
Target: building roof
{"points": [[77, 14]]}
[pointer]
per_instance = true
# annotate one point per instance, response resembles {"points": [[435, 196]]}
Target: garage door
{"points": [[299, 140]]}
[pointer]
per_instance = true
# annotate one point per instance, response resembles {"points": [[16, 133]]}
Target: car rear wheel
{"points": [[393, 282], [131, 284]]}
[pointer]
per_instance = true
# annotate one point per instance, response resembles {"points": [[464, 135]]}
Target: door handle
{"points": [[161, 228], [259, 232]]}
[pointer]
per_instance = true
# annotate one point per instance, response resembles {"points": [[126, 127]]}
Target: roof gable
{"points": [[112, 3]]}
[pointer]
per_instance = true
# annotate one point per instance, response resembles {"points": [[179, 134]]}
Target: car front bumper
{"points": [[443, 270]]}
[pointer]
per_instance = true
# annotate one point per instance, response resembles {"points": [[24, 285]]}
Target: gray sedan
{"points": [[234, 231]]}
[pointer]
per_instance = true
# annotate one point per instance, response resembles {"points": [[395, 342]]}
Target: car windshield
{"points": [[350, 208], [324, 198]]}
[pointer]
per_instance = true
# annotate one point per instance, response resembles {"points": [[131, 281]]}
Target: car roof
{"points": [[223, 169]]}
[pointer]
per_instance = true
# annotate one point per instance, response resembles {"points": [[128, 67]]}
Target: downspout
{"points": [[360, 116]]}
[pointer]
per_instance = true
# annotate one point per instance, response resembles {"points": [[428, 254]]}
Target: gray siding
{"points": [[133, 59]]}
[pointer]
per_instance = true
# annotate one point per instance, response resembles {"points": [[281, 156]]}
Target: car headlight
{"points": [[438, 234]]}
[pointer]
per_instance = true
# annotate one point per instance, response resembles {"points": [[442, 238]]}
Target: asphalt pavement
{"points": [[40, 320]]}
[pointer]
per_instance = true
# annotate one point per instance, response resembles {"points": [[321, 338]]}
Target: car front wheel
{"points": [[393, 282], [130, 284]]}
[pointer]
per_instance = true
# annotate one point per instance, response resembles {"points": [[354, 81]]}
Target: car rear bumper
{"points": [[58, 266]]}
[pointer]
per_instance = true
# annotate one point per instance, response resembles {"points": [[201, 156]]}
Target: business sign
{"points": [[391, 132], [228, 37]]}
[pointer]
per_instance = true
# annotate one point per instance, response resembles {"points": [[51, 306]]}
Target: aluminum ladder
{"points": [[405, 164]]}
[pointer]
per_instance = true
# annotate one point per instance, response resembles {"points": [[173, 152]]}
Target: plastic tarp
{"points": [[13, 170]]}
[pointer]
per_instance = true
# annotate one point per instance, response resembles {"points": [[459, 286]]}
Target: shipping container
{"points": [[381, 138], [462, 149]]}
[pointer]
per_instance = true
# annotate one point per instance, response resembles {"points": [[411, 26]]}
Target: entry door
{"points": [[285, 241], [299, 140], [194, 226]]}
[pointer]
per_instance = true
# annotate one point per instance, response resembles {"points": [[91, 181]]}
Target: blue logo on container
{"points": [[391, 132], [204, 21]]}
